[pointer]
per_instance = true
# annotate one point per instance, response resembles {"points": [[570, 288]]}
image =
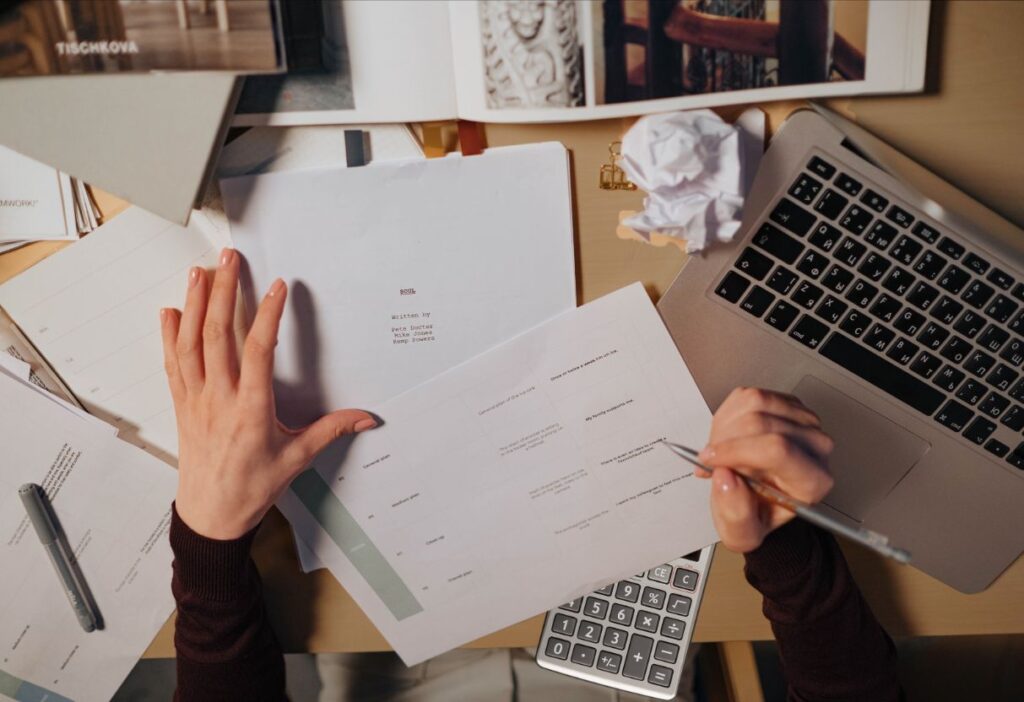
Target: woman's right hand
{"points": [[777, 440]]}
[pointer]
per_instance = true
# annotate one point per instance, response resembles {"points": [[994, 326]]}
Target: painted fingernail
{"points": [[364, 424], [276, 288], [226, 255], [707, 453], [193, 276], [165, 314], [725, 480]]}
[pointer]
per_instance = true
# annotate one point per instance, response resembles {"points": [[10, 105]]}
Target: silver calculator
{"points": [[631, 635]]}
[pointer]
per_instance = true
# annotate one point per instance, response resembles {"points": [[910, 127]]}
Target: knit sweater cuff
{"points": [[210, 569], [784, 555]]}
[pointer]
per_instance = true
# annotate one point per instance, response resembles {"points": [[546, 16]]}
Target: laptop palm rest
{"points": [[872, 453]]}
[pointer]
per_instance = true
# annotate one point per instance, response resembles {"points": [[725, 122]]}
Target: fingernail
{"points": [[193, 276], [164, 314], [706, 454], [226, 255], [276, 287], [364, 424], [725, 480]]}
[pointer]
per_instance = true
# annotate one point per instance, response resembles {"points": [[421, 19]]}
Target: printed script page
{"points": [[516, 481]]}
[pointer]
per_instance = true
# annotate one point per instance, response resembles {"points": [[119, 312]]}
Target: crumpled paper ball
{"points": [[696, 169]]}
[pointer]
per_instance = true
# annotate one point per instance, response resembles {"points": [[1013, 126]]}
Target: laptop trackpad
{"points": [[872, 453]]}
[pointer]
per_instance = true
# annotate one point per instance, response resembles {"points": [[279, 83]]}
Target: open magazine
{"points": [[560, 60]]}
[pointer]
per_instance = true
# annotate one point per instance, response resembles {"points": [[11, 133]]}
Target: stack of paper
{"points": [[39, 203], [113, 502]]}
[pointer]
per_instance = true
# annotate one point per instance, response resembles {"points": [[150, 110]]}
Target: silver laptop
{"points": [[893, 306]]}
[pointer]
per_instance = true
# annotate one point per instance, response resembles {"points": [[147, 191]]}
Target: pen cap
{"points": [[33, 497]]}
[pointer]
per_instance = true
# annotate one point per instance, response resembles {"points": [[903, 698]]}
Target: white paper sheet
{"points": [[113, 502], [516, 481], [36, 201], [92, 310]]}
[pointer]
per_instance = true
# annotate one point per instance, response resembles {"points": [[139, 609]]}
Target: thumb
{"points": [[315, 437], [735, 511]]}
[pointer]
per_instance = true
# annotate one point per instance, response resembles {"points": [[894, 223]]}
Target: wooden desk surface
{"points": [[968, 132]]}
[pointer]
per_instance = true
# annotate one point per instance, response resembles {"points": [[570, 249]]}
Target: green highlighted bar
{"points": [[24, 691], [343, 529]]}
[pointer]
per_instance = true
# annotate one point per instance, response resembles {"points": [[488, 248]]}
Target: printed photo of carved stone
{"points": [[532, 53]]}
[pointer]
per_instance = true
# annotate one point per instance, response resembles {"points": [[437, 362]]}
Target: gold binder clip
{"points": [[612, 176]]}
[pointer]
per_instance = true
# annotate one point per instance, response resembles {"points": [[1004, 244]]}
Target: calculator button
{"points": [[647, 621], [660, 676], [685, 579], [625, 590], [609, 662], [563, 624], [589, 631], [637, 657], [672, 628], [557, 648], [621, 614], [615, 638], [660, 574], [583, 655], [596, 608], [654, 597], [606, 590], [573, 605], [667, 652], [678, 604]]}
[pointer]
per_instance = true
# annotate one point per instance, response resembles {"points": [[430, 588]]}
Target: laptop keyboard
{"points": [[843, 270]]}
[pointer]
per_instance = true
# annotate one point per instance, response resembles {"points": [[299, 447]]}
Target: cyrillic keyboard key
{"points": [[997, 448], [793, 217], [979, 430], [838, 278], [874, 200], [856, 220], [855, 323], [1013, 418], [831, 309], [902, 351], [909, 321], [732, 286], [976, 263], [822, 168], [1001, 308], [883, 374], [993, 405], [806, 294], [831, 204], [930, 265], [926, 365], [977, 294], [757, 301], [805, 189], [922, 296], [812, 264], [781, 316], [948, 378], [906, 250], [925, 232], [881, 235], [971, 391], [954, 279], [954, 416], [879, 337], [932, 336], [754, 263], [779, 244], [782, 280], [969, 324], [951, 248], [848, 185], [809, 331], [861, 293], [979, 363], [1016, 457], [825, 236], [850, 252], [1000, 278], [993, 338], [899, 216]]}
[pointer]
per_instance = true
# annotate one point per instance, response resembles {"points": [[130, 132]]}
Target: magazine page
{"points": [[56, 37], [562, 60], [383, 61]]}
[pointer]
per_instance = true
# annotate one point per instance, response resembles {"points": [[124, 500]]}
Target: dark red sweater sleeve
{"points": [[226, 649], [831, 646]]}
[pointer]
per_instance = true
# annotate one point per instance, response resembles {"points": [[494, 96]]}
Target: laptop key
{"points": [[993, 338], [946, 310], [782, 280], [754, 263], [979, 430], [993, 405], [874, 267], [886, 307], [971, 392], [1001, 308], [779, 244], [997, 448], [781, 316], [855, 323], [848, 185], [930, 265], [856, 220], [881, 235], [825, 237], [954, 279], [948, 378], [902, 351], [831, 309], [1002, 377], [822, 168], [637, 657], [976, 263], [922, 295], [879, 337], [1013, 418], [809, 332], [805, 189], [812, 264], [874, 200], [806, 294], [850, 252], [899, 281], [882, 373], [793, 217], [932, 336], [926, 365], [956, 350], [757, 301], [1000, 278], [837, 278], [906, 250], [861, 293], [954, 416], [831, 204], [899, 216], [1018, 291], [1016, 457], [1013, 352], [979, 363], [732, 286], [951, 248], [925, 232], [583, 655], [969, 324]]}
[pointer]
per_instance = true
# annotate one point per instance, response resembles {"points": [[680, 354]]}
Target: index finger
{"points": [[257, 373], [743, 400], [778, 458]]}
